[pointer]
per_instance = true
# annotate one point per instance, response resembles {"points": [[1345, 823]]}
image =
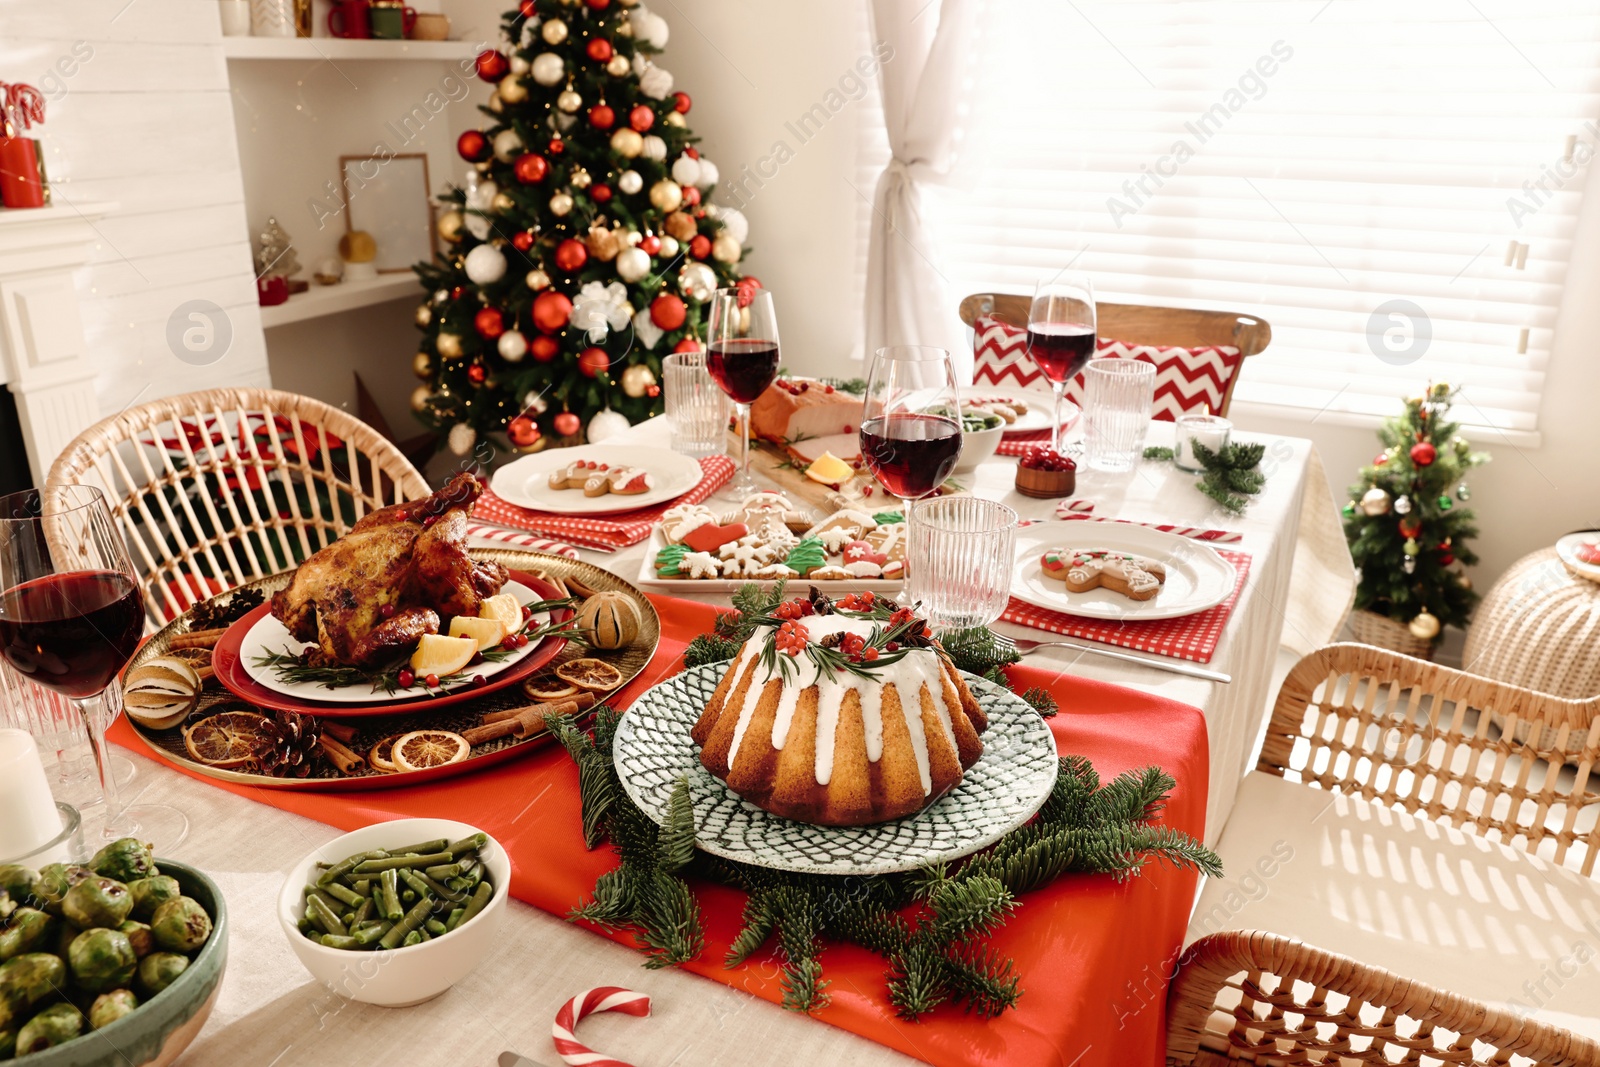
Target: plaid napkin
{"points": [[606, 532], [1191, 637], [521, 540]]}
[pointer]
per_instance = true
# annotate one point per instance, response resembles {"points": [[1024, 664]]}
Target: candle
{"points": [[28, 815], [1210, 430]]}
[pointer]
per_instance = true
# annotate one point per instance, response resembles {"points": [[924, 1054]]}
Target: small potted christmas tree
{"points": [[1407, 534]]}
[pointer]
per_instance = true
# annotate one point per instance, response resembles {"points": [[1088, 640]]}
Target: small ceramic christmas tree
{"points": [[1407, 534]]}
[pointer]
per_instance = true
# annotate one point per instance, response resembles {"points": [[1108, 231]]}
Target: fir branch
{"points": [[1135, 797], [982, 981], [710, 648], [670, 930], [676, 846], [598, 788], [976, 651], [1041, 701], [917, 979], [969, 907], [612, 902], [1159, 452], [757, 924]]}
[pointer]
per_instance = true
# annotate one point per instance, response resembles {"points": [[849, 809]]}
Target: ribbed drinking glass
{"points": [[697, 408], [961, 560], [1117, 398]]}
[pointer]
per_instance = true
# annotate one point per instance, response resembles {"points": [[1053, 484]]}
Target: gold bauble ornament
{"points": [[424, 315], [680, 224], [560, 204], [502, 204], [420, 397], [1424, 627], [422, 365], [554, 31], [627, 143], [449, 346], [618, 66], [1374, 501], [725, 249], [451, 223], [512, 91], [579, 178], [569, 101], [537, 280], [637, 380], [494, 103], [666, 195], [675, 118], [1463, 581]]}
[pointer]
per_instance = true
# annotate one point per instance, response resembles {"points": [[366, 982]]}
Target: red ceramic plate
{"points": [[230, 668]]}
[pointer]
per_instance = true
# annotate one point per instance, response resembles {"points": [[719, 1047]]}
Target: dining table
{"points": [[270, 1012]]}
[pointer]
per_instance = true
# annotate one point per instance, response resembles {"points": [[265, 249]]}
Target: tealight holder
{"points": [[1210, 430], [65, 847]]}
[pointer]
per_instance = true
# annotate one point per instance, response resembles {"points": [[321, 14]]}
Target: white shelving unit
{"points": [[316, 49], [322, 300]]}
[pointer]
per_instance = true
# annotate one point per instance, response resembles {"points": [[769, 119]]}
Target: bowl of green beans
{"points": [[396, 913]]}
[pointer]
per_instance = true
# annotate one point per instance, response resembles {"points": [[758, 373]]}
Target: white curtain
{"points": [[908, 297]]}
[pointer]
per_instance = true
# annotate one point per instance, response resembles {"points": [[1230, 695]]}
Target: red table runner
{"points": [[1093, 955]]}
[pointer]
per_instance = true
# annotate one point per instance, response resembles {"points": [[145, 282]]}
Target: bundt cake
{"points": [[841, 717]]}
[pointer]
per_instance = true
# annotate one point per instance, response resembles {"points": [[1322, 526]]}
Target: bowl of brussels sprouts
{"points": [[113, 962]]}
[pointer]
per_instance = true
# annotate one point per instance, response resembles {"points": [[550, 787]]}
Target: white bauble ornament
{"points": [[669, 247], [420, 397], [548, 68], [507, 144], [485, 265], [655, 148], [553, 32], [633, 264], [462, 438], [1402, 505], [560, 204], [1425, 627], [561, 122], [1374, 501], [686, 170], [618, 66], [632, 238], [725, 249], [606, 424], [627, 143], [630, 182], [666, 195], [537, 280], [697, 281], [656, 83], [646, 330], [423, 316], [512, 345], [708, 172], [734, 223], [512, 91], [519, 66], [637, 380], [569, 101], [533, 404]]}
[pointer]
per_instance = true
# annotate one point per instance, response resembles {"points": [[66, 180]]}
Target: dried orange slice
{"points": [[226, 739], [547, 687], [591, 674], [195, 657], [421, 749], [381, 755], [503, 606], [441, 655]]}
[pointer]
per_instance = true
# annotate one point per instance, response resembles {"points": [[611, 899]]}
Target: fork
{"points": [[1026, 646]]}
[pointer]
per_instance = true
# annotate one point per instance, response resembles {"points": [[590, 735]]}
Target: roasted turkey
{"points": [[375, 591]]}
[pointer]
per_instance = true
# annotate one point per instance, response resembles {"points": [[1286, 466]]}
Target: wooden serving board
{"points": [[772, 462]]}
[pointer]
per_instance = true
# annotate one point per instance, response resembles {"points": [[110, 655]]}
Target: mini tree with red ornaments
{"points": [[1407, 533], [584, 246]]}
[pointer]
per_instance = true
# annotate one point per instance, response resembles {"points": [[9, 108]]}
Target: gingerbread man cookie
{"points": [[598, 479], [1083, 569]]}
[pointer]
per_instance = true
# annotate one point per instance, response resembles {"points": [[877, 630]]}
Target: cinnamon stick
{"points": [[477, 735], [583, 591], [206, 673], [579, 702], [518, 722], [197, 639], [343, 731], [341, 757]]}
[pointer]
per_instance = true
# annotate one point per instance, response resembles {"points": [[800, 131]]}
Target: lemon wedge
{"points": [[502, 606], [441, 655], [485, 632], [829, 469]]}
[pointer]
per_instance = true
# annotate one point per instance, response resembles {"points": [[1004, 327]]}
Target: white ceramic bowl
{"points": [[402, 976], [979, 445]]}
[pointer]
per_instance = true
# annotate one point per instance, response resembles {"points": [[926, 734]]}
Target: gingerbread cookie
{"points": [[598, 479], [669, 560], [677, 522], [1083, 569], [710, 537], [701, 565], [1589, 552], [762, 508], [888, 539], [840, 528]]}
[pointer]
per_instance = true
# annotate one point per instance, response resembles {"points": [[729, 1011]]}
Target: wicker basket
{"points": [[1370, 628]]}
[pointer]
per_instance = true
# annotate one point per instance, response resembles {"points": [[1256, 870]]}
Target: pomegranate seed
{"points": [[407, 679], [479, 681], [827, 388], [387, 611], [431, 681], [509, 643]]}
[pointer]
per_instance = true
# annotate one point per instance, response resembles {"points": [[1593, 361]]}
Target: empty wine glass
{"points": [[71, 618], [1061, 334], [742, 357]]}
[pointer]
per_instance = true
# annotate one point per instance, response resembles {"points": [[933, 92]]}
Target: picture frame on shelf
{"points": [[388, 197]]}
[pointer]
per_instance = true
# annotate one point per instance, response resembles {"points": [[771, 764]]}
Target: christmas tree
{"points": [[583, 247], [1407, 534]]}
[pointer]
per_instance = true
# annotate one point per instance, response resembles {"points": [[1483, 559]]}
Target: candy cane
{"points": [[601, 998], [24, 105]]}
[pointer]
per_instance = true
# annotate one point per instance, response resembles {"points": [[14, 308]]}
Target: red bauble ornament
{"points": [[571, 255], [492, 65], [653, 392], [473, 146], [601, 117], [1380, 459], [489, 323], [591, 361], [458, 292], [681, 103], [747, 287], [650, 245], [557, 146], [692, 152], [551, 311], [523, 240], [598, 5], [530, 167], [1445, 559], [543, 349], [567, 424], [477, 374], [641, 118], [668, 312], [691, 196], [523, 431], [1410, 526], [600, 193], [688, 344], [529, 8], [599, 49], [1423, 453], [700, 247]]}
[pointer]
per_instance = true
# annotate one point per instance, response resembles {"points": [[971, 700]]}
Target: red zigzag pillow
{"points": [[1187, 379]]}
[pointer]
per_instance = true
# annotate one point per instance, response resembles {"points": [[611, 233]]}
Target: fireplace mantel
{"points": [[43, 358]]}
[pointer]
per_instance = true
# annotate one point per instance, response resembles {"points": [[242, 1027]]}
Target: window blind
{"points": [[1394, 187]]}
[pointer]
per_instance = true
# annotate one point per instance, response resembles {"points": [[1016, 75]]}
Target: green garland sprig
{"points": [[1232, 473]]}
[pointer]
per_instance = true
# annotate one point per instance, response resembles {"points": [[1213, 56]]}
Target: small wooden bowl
{"points": [[1045, 485]]}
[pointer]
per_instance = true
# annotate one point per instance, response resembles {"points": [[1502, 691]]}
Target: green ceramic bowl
{"points": [[164, 1025]]}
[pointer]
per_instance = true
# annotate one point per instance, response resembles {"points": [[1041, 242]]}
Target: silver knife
{"points": [[516, 1059]]}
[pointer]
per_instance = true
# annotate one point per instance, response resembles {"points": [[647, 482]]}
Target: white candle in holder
{"points": [[29, 818], [1210, 430]]}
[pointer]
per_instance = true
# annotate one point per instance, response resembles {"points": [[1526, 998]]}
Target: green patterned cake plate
{"points": [[999, 793]]}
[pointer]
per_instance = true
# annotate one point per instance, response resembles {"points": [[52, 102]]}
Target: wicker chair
{"points": [[217, 488], [1410, 737]]}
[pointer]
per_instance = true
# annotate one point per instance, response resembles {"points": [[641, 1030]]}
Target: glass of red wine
{"points": [[911, 425], [742, 358], [71, 618], [1061, 334]]}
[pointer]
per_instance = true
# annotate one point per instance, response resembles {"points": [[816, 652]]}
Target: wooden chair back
{"points": [[217, 488]]}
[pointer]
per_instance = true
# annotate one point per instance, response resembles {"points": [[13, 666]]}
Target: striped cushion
{"points": [[1187, 379]]}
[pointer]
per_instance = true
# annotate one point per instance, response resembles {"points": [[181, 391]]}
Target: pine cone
{"points": [[287, 745]]}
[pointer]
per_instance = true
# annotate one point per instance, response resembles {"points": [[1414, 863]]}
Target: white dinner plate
{"points": [[270, 635], [1197, 578], [1039, 404], [526, 482], [1567, 549]]}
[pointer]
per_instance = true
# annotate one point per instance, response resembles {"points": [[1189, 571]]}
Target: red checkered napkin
{"points": [[608, 532], [1191, 637], [1017, 444], [518, 539]]}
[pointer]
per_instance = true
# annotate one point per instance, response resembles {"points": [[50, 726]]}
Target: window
{"points": [[1393, 186]]}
